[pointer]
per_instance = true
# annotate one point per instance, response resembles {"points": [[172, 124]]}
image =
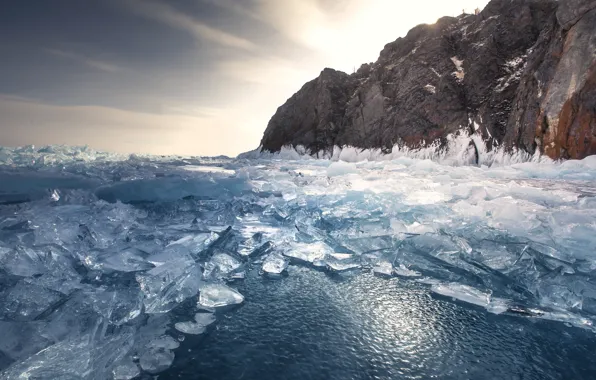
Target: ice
{"points": [[170, 253], [221, 263], [155, 351], [127, 260], [22, 261], [195, 243], [200, 324], [384, 268], [156, 360], [64, 360], [83, 358], [125, 371], [14, 333], [219, 295], [275, 264], [341, 168], [168, 285], [471, 295], [403, 271], [99, 252], [25, 302], [118, 306], [342, 262], [308, 252]]}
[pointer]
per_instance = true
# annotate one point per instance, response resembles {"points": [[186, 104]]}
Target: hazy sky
{"points": [[188, 77]]}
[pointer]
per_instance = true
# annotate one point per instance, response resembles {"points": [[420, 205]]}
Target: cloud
{"points": [[235, 7], [300, 20], [98, 65], [347, 33], [169, 16], [103, 128], [267, 71]]}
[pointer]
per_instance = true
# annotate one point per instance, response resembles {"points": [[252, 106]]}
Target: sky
{"points": [[183, 77]]}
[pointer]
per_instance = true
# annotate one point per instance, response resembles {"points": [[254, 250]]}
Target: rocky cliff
{"points": [[522, 74]]}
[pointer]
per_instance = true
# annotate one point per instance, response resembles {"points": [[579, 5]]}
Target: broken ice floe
{"points": [[219, 295], [275, 264], [198, 326]]}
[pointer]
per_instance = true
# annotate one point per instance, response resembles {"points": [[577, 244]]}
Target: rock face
{"points": [[522, 74]]}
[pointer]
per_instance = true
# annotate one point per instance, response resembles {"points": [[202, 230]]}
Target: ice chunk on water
{"points": [[228, 240], [472, 295], [383, 268], [262, 250], [22, 261], [165, 342], [202, 320], [117, 306], [342, 262], [64, 360], [156, 355], [106, 351], [14, 334], [275, 264], [25, 302], [195, 243], [463, 293], [238, 275], [126, 260], [81, 358], [156, 360], [498, 305], [219, 295], [567, 317], [369, 244], [308, 253], [403, 271], [169, 284], [171, 252], [221, 263], [126, 370], [73, 319], [59, 275]]}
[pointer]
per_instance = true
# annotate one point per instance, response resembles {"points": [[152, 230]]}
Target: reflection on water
{"points": [[312, 325]]}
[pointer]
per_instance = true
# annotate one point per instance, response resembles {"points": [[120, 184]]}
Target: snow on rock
{"points": [[430, 88], [459, 66]]}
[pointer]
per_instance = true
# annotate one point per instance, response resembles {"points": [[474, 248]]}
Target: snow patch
{"points": [[514, 69], [459, 74], [430, 88]]}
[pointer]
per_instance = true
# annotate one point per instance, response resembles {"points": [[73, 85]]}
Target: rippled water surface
{"points": [[310, 325]]}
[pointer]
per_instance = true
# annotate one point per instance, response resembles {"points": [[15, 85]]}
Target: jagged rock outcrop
{"points": [[521, 74]]}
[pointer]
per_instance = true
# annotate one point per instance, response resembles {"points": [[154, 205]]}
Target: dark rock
{"points": [[570, 11], [555, 108], [311, 116], [521, 73]]}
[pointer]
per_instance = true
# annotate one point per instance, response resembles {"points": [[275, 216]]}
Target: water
{"points": [[122, 267], [310, 325]]}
